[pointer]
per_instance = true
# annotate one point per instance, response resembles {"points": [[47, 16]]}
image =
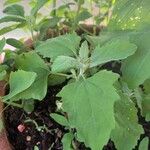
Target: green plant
{"points": [[60, 16], [97, 103]]}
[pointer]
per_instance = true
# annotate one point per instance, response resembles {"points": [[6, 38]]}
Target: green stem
{"points": [[4, 109], [80, 26], [62, 74], [54, 7], [14, 104], [78, 9], [32, 35], [77, 13], [31, 24], [32, 121]]}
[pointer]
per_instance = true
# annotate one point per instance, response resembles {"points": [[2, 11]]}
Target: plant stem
{"points": [[32, 121], [78, 9], [77, 13], [85, 30], [31, 23], [54, 7], [14, 104], [62, 74]]}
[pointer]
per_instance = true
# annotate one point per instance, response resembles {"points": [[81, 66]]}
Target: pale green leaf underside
{"points": [[19, 81], [84, 51], [144, 144], [116, 49], [89, 105], [32, 62], [127, 130], [66, 45], [64, 64]]}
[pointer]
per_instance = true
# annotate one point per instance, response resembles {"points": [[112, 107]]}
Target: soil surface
{"points": [[49, 138]]}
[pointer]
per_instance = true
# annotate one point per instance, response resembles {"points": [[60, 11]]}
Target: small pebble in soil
{"points": [[21, 128], [38, 143], [28, 138]]}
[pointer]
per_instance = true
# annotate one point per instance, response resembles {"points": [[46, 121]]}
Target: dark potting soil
{"points": [[50, 137]]}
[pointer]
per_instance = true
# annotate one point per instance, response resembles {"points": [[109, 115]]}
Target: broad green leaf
{"points": [[60, 119], [8, 2], [107, 36], [14, 9], [144, 144], [89, 105], [2, 44], [82, 16], [55, 79], [64, 64], [66, 140], [11, 28], [116, 49], [15, 43], [134, 15], [127, 130], [32, 62], [66, 45], [19, 81], [135, 69], [39, 4], [129, 14], [12, 19], [84, 51]]}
